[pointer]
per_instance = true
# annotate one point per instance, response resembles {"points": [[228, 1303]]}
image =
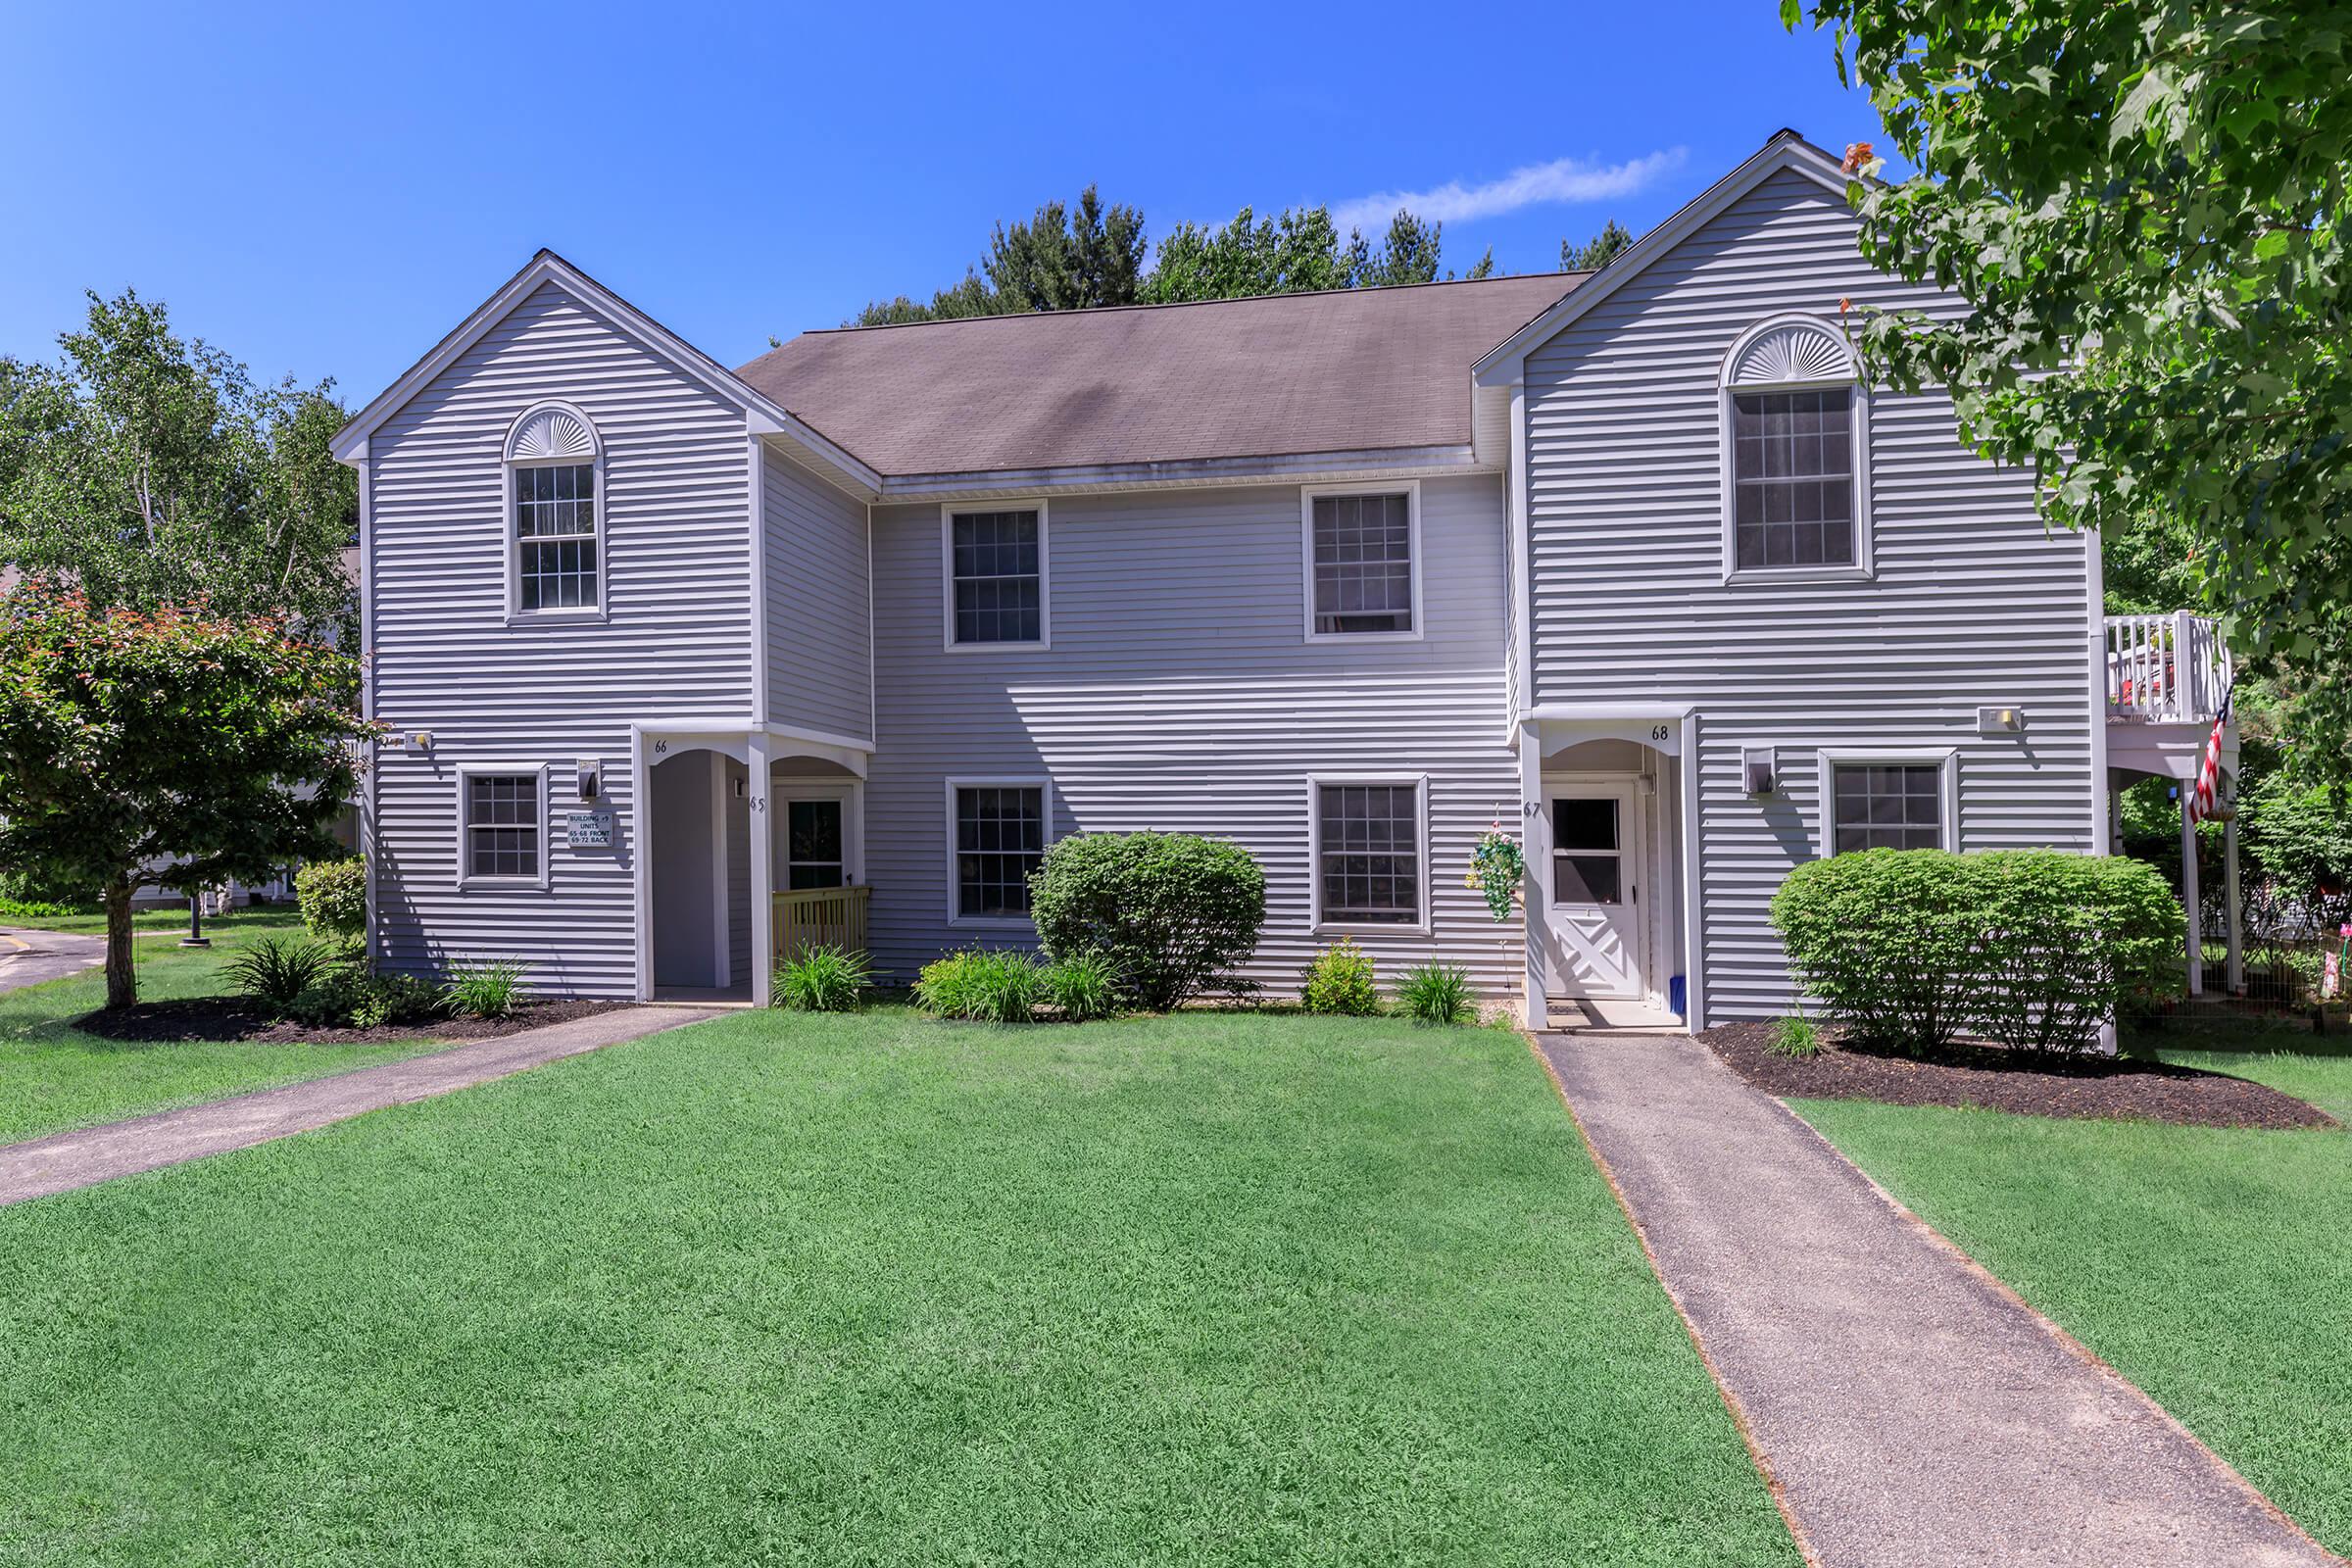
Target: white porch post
{"points": [[1532, 1009], [2236, 981], [763, 872], [2188, 894]]}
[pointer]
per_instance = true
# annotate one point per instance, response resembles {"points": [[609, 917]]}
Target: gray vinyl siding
{"points": [[1974, 603], [675, 537], [818, 651], [1180, 694]]}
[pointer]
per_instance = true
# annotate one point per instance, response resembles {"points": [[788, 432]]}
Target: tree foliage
{"points": [[1094, 256], [148, 469], [2142, 203], [1172, 913], [128, 737], [1595, 251]]}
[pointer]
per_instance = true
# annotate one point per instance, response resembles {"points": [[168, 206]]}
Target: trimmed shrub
{"points": [[984, 985], [1081, 988], [1340, 980], [348, 996], [1169, 913], [2030, 949], [1438, 993], [275, 970], [490, 989], [333, 894], [1794, 1035], [823, 979]]}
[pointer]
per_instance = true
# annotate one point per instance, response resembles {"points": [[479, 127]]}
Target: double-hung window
{"points": [[997, 836], [1368, 841], [1363, 568], [555, 471], [995, 571], [502, 832], [1888, 801], [1795, 422]]}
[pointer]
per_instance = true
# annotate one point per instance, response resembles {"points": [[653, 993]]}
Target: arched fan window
{"points": [[555, 480], [1796, 459]]}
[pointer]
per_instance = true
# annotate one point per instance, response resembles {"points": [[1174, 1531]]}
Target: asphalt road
{"points": [[28, 957]]}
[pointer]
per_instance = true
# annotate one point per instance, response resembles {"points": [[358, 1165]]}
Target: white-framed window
{"points": [[1891, 800], [998, 830], [997, 577], [555, 501], [1368, 848], [1361, 554], [1795, 419], [502, 825]]}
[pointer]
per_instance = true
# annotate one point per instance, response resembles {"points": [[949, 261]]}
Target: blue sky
{"points": [[325, 191]]}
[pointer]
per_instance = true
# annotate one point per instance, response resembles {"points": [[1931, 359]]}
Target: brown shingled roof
{"points": [[1350, 370]]}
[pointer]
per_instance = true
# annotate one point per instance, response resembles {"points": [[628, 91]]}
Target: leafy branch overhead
{"points": [[2142, 203], [1090, 255]]}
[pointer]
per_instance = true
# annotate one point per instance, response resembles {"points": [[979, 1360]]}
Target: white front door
{"points": [[1597, 872]]}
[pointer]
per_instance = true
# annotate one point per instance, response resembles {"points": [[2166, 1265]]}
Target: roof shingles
{"points": [[1289, 374]]}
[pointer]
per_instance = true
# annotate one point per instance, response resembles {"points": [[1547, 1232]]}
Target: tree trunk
{"points": [[121, 982]]}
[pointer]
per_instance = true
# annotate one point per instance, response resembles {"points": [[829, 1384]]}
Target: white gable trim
{"points": [[1505, 364], [764, 417]]}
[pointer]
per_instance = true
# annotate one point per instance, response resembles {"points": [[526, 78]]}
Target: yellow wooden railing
{"points": [[819, 917]]}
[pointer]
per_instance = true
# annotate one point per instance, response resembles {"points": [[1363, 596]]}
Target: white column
{"points": [[1533, 830], [2237, 973], [2188, 894], [763, 873]]}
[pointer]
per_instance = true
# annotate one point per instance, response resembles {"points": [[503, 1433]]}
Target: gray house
{"points": [[687, 666]]}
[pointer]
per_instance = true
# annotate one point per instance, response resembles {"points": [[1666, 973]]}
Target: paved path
{"points": [[64, 1161], [1909, 1410], [28, 957]]}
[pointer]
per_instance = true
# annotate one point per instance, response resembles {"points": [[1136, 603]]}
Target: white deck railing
{"points": [[2164, 669]]}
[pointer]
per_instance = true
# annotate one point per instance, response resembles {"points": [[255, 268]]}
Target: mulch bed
{"points": [[2125, 1088], [231, 1018]]}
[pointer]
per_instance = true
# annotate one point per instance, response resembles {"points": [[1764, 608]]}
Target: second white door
{"points": [[1596, 874]]}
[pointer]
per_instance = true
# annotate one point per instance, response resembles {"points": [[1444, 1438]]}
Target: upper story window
{"points": [[555, 469], [1795, 429], [996, 578], [1364, 562]]}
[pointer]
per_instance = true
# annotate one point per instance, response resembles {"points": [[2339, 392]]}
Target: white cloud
{"points": [[1564, 180]]}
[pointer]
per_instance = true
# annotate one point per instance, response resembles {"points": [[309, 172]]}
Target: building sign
{"points": [[588, 830]]}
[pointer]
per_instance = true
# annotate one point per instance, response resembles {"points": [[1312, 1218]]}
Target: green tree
{"points": [[1595, 251], [1297, 253], [1061, 260], [2142, 204], [129, 736], [148, 469], [1408, 253]]}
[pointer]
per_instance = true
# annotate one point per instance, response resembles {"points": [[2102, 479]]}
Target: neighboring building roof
{"points": [[1289, 374]]}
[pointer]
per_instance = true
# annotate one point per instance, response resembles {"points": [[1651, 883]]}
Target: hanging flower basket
{"points": [[1499, 871]]}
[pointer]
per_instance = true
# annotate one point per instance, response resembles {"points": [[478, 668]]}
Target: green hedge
{"points": [[1171, 914], [333, 894], [2031, 949]]}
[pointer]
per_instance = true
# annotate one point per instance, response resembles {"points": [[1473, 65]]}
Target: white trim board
{"points": [[1505, 364], [765, 416]]}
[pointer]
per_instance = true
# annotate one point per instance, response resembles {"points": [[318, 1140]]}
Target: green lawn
{"points": [[1210, 1288], [2212, 1268], [54, 1076]]}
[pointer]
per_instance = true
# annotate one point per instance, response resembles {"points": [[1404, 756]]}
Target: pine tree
{"points": [[1597, 251]]}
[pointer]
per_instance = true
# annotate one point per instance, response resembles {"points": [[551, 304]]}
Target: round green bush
{"points": [[1340, 981], [1170, 912], [333, 894], [2031, 949]]}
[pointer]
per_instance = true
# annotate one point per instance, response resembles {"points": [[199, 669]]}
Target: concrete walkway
{"points": [[1907, 1408], [64, 1161], [27, 957]]}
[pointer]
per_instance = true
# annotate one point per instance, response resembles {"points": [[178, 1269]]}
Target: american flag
{"points": [[2206, 797]]}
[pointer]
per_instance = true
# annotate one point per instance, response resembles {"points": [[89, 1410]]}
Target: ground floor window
{"points": [[1885, 806], [1000, 837], [1368, 852], [504, 819], [812, 840]]}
